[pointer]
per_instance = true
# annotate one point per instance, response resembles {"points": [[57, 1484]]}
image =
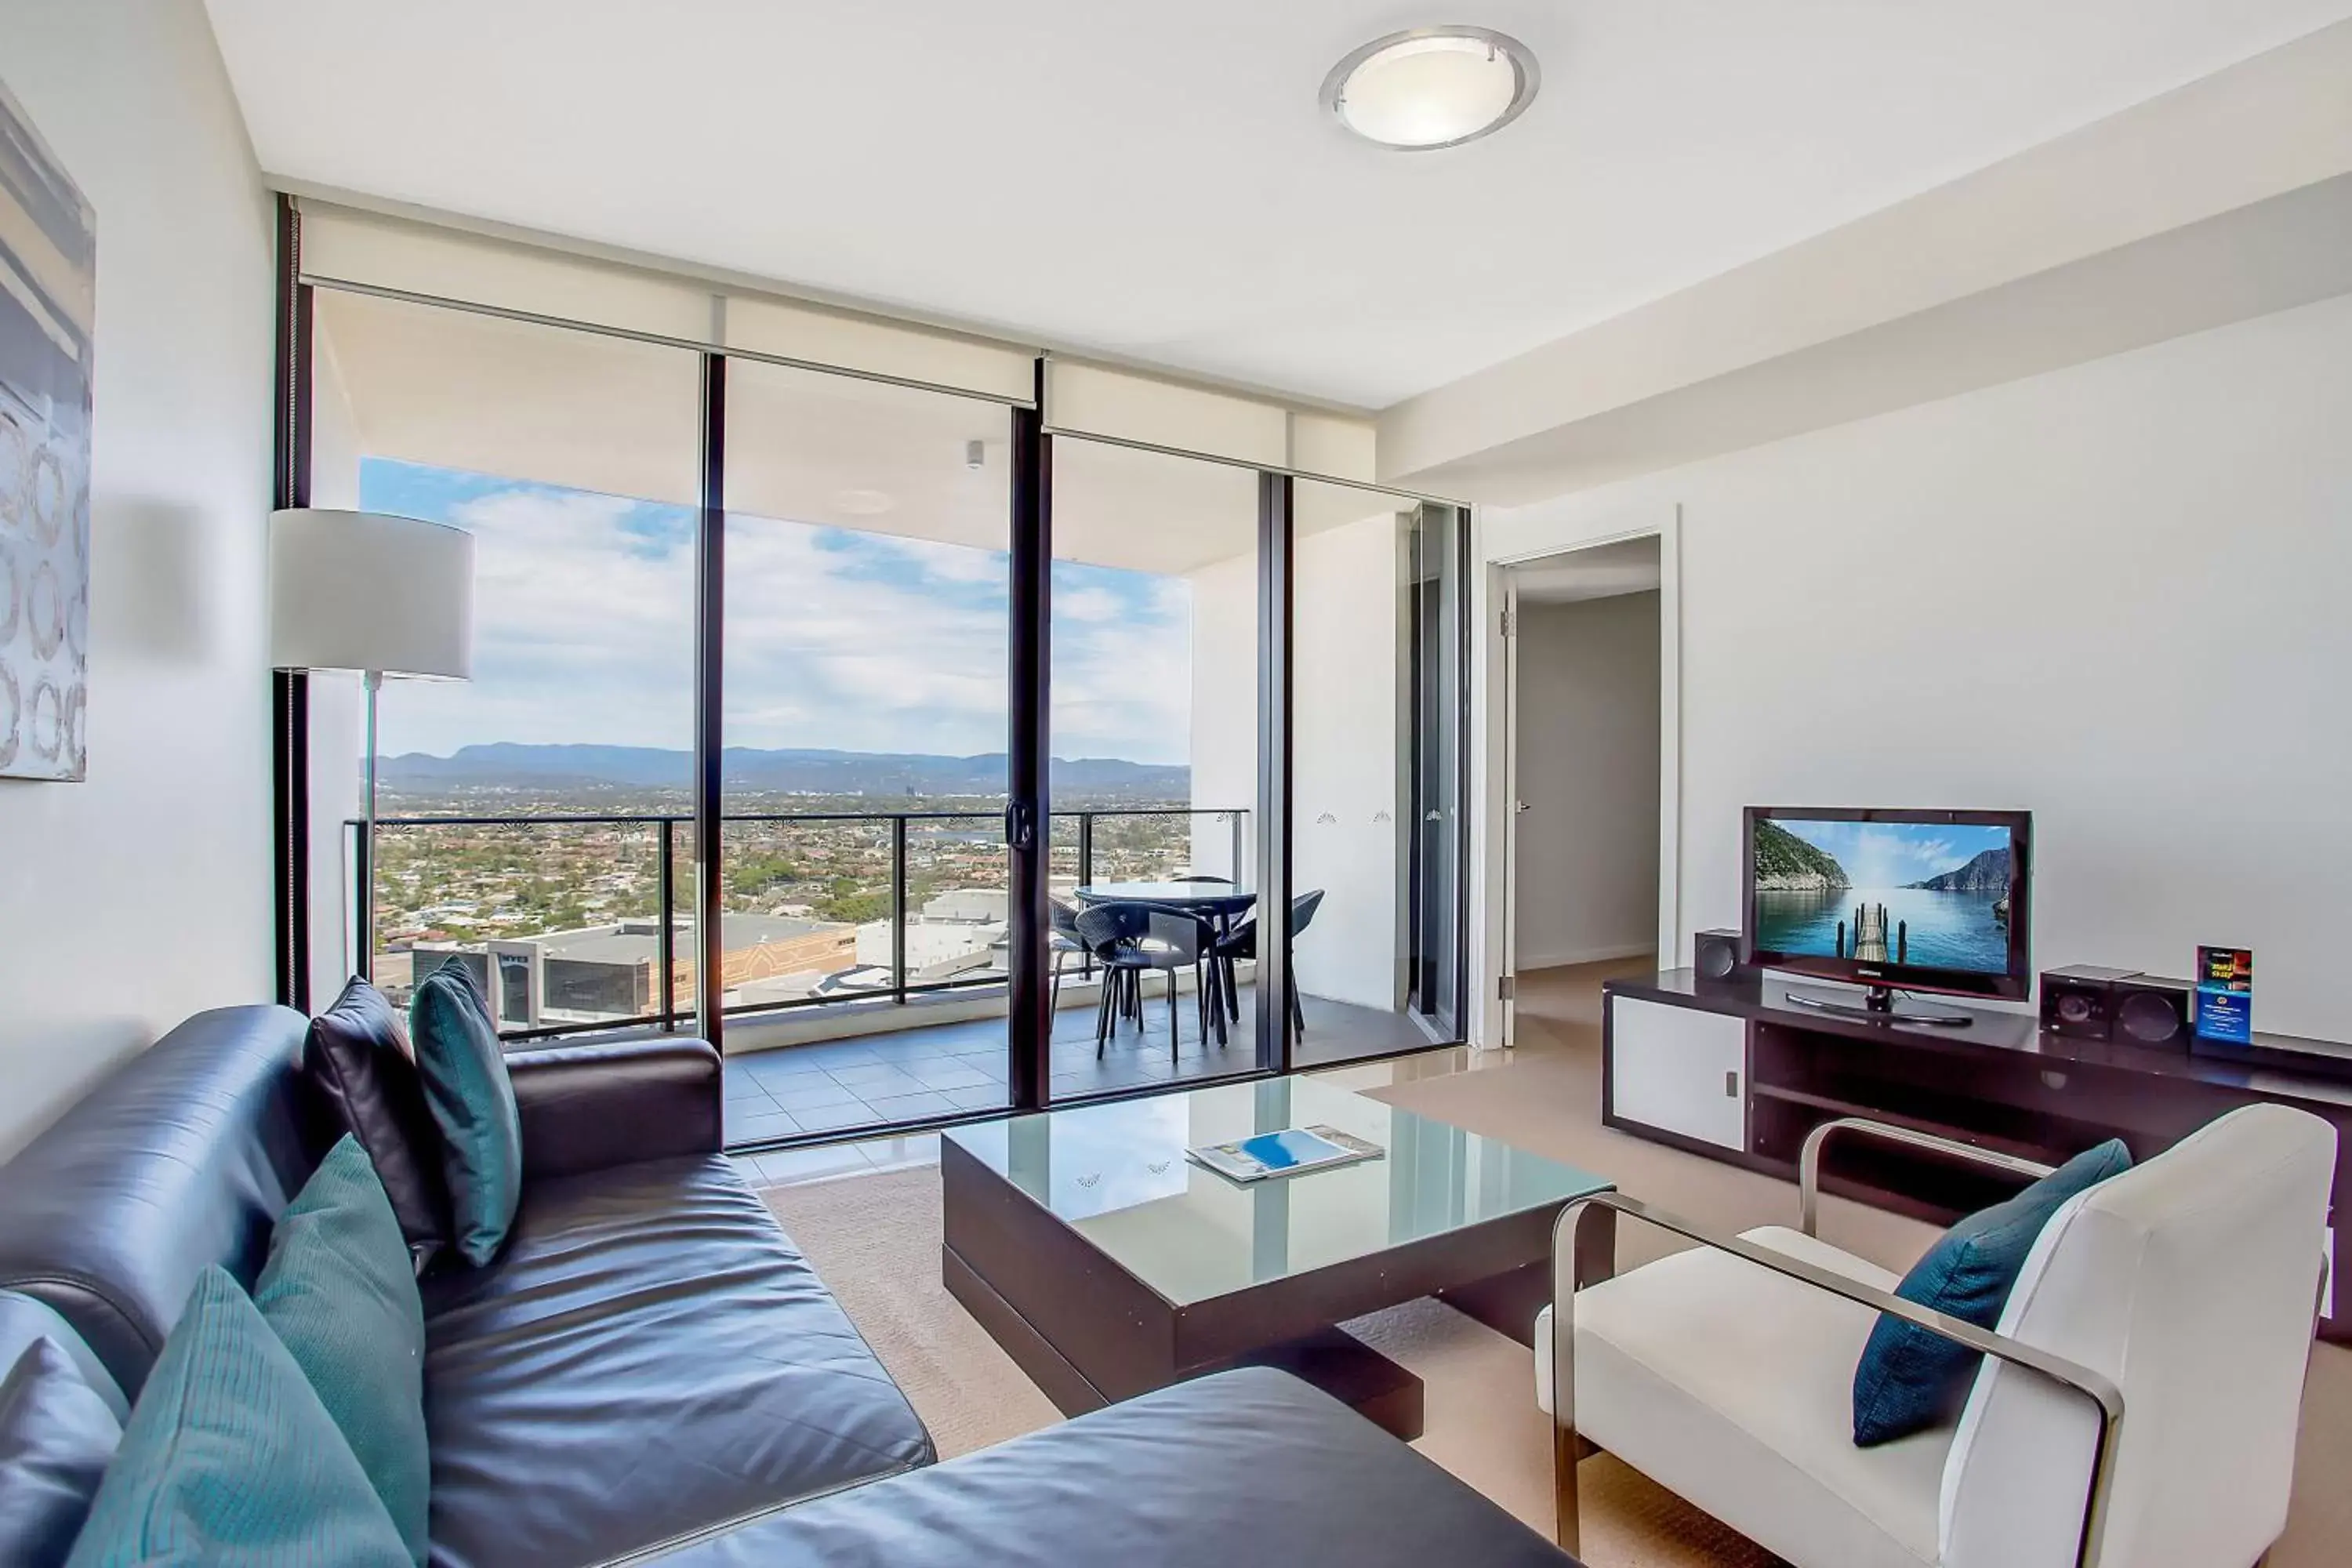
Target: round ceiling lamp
{"points": [[1432, 86]]}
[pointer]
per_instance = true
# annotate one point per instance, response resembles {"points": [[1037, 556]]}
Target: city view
{"points": [[572, 906], [550, 886]]}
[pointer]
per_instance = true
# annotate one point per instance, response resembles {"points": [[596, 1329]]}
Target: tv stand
{"points": [[1742, 1070], [1878, 1006]]}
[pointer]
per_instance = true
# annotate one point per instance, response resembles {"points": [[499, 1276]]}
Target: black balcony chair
{"points": [[1242, 942], [1065, 941], [1130, 940]]}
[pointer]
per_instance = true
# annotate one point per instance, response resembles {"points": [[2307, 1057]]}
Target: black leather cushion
{"points": [[182, 1158], [56, 1437], [1249, 1467], [359, 1056], [590, 1106], [646, 1358]]}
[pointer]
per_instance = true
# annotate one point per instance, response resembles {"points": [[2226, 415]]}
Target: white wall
{"points": [[139, 897], [1224, 714], [1344, 738], [1587, 881], [1345, 610], [2113, 594]]}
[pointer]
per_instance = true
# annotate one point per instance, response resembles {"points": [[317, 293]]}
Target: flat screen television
{"points": [[1894, 900]]}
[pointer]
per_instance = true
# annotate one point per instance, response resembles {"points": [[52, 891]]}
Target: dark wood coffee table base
{"points": [[1333, 1359], [1355, 1375]]}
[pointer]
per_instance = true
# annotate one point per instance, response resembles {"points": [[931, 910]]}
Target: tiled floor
{"points": [[912, 1075], [824, 1162]]}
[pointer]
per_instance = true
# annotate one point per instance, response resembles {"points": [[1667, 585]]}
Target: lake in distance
{"points": [[1946, 931]]}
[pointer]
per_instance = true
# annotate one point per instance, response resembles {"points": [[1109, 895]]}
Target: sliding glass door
{"points": [[1375, 814], [865, 879], [1155, 726], [1437, 562]]}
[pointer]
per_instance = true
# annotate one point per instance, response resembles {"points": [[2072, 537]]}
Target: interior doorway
{"points": [[1585, 705]]}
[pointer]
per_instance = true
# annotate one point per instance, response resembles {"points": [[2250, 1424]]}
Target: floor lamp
{"points": [[379, 595]]}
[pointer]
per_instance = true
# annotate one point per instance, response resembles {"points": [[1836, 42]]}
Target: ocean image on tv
{"points": [[1884, 893]]}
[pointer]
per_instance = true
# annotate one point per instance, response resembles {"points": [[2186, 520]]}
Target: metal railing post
{"points": [[1087, 876], [898, 909], [363, 896], [666, 940]]}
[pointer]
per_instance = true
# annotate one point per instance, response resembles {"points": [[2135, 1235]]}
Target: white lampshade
{"points": [[361, 590]]}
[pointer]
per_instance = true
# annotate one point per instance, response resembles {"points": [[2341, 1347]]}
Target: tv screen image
{"points": [[1920, 894]]}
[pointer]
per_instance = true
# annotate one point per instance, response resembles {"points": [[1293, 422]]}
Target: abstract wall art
{"points": [[48, 288]]}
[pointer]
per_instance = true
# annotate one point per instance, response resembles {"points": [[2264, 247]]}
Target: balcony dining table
{"points": [[1219, 903]]}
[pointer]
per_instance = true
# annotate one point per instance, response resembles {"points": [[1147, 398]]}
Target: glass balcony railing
{"points": [[582, 924]]}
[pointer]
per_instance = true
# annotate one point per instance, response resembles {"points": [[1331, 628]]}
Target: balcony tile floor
{"points": [[912, 1075]]}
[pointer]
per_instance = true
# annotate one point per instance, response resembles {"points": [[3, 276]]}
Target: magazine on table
{"points": [[1285, 1153]]}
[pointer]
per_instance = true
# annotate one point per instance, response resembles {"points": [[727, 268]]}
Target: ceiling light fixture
{"points": [[1432, 86]]}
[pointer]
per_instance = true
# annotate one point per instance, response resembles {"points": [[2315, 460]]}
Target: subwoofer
{"points": [[2152, 1010], [1714, 954]]}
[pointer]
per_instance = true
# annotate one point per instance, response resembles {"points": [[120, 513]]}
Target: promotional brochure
{"points": [[2225, 995], [1285, 1153]]}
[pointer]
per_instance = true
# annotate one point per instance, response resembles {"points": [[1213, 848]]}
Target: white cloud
{"points": [[585, 632], [1089, 604]]}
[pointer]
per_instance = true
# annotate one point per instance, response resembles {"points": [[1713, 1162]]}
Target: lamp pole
{"points": [[374, 681]]}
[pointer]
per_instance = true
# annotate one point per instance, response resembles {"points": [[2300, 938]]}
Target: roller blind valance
{"points": [[1087, 399], [341, 245], [785, 329], [369, 251]]}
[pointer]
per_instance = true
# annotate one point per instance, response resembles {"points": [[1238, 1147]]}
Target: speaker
{"points": [[1716, 955], [2152, 1010], [2078, 1001]]}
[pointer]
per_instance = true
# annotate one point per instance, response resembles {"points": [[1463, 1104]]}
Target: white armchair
{"points": [[2136, 1406]]}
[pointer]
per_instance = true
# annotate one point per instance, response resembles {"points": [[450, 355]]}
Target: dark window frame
{"points": [[1029, 806]]}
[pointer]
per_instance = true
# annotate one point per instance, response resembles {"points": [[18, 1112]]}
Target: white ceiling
{"points": [[1156, 182]]}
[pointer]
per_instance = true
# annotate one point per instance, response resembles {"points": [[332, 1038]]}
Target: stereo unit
{"points": [[2077, 1001], [2086, 1002], [2153, 1011], [1714, 954]]}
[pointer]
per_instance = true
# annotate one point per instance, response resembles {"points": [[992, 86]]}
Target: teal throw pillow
{"points": [[229, 1459], [473, 1103], [1909, 1379], [339, 1293]]}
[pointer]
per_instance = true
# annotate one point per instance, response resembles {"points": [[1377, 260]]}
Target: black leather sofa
{"points": [[650, 1368]]}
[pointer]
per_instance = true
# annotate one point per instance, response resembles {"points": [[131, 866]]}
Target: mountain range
{"points": [[1987, 872], [507, 766]]}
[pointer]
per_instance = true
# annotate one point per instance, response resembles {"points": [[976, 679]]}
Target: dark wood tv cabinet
{"points": [[1734, 1072]]}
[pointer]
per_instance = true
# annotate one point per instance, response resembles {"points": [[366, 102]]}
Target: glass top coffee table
{"points": [[1106, 1264]]}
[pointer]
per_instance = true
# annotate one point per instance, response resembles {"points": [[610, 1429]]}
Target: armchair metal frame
{"points": [[1567, 1232]]}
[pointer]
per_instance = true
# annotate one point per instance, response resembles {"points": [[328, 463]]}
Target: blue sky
{"points": [[1898, 854], [585, 632]]}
